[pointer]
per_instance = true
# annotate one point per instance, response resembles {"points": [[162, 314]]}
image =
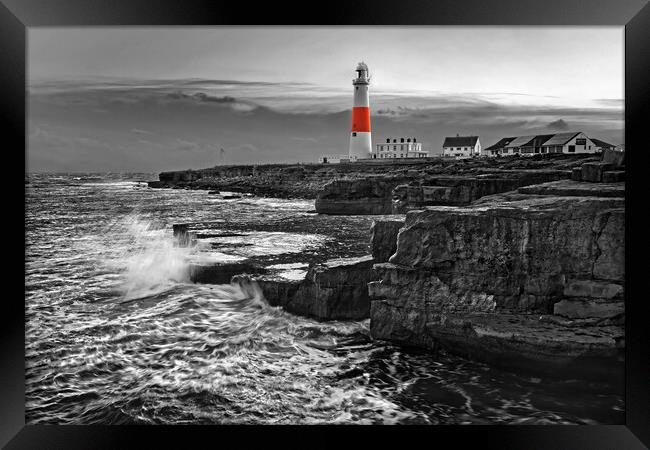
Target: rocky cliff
{"points": [[518, 278], [445, 183], [367, 187], [335, 289]]}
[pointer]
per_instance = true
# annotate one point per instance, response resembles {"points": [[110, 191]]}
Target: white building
{"points": [[497, 148], [569, 142], [399, 148], [574, 142], [602, 145], [336, 159], [461, 146]]}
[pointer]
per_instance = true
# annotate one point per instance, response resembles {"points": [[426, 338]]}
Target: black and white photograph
{"points": [[308, 225]]}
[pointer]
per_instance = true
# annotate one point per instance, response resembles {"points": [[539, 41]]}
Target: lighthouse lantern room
{"points": [[360, 141]]}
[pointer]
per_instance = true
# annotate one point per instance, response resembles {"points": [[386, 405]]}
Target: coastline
{"points": [[547, 295]]}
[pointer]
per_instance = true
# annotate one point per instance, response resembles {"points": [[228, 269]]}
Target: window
{"points": [[402, 140], [356, 88], [388, 141], [354, 133], [572, 148]]}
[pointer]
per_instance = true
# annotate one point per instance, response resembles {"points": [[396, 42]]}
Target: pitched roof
{"points": [[540, 139], [561, 138], [600, 143], [460, 141], [500, 144], [520, 141]]}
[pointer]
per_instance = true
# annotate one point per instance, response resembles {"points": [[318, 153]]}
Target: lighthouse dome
{"points": [[362, 66]]}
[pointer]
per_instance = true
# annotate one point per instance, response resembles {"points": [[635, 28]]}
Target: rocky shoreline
{"points": [[517, 262]]}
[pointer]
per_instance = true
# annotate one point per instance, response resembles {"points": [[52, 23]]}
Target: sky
{"points": [[149, 99]]}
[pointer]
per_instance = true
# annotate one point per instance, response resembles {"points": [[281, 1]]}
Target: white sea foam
{"points": [[155, 262]]}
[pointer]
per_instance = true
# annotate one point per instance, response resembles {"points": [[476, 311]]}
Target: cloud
{"points": [[558, 125], [254, 124], [139, 131]]}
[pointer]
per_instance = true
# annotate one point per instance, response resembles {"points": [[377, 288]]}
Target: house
{"points": [[336, 159], [405, 148], [602, 145], [461, 146], [498, 147], [535, 144], [570, 142], [515, 145]]}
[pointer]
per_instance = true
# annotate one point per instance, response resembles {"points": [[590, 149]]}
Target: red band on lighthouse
{"points": [[361, 119]]}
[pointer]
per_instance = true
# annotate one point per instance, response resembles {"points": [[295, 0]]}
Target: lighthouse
{"points": [[360, 142]]}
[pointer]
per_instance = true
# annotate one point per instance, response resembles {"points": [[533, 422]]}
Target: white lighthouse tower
{"points": [[360, 141]]}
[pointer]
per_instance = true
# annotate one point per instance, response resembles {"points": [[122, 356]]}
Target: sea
{"points": [[117, 333]]}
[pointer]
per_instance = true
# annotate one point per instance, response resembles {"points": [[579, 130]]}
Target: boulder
{"points": [[337, 289], [276, 289], [182, 234], [586, 308], [383, 240], [615, 157], [613, 176], [576, 174], [334, 290], [592, 289], [400, 201], [593, 171]]}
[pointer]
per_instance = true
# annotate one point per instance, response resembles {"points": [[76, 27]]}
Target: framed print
{"points": [[378, 214]]}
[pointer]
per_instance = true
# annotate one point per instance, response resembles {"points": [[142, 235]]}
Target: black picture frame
{"points": [[17, 15]]}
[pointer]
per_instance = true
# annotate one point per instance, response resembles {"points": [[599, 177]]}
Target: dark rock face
{"points": [[586, 308], [613, 176], [457, 190], [570, 188], [593, 172], [356, 196], [337, 289], [221, 273], [385, 195], [458, 272], [383, 240], [615, 157], [576, 174], [277, 290], [511, 341]]}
